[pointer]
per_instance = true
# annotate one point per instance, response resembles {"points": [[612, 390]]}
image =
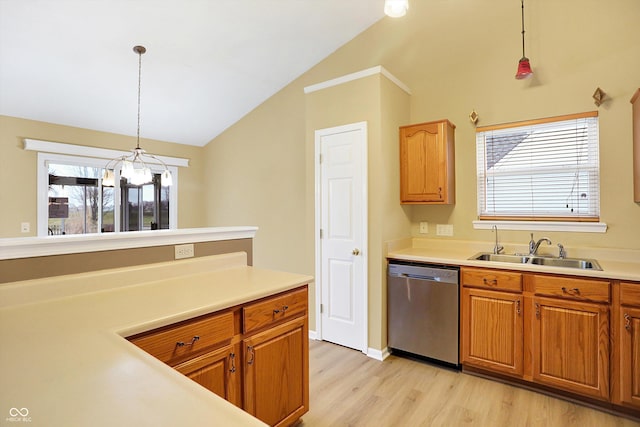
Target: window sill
{"points": [[579, 227]]}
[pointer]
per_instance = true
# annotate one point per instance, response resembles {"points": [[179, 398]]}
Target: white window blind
{"points": [[545, 169]]}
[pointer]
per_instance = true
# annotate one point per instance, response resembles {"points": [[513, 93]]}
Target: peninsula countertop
{"points": [[65, 361]]}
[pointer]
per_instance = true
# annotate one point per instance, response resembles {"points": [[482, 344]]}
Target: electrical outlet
{"points": [[424, 227], [444, 229], [184, 251], [25, 227]]}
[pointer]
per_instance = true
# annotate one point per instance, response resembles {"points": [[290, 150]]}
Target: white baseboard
{"points": [[313, 335], [378, 354]]}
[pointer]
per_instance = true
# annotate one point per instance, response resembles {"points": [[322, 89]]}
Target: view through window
{"points": [[78, 203]]}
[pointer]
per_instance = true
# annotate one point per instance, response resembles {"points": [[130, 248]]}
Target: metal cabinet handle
{"points": [[232, 356], [283, 310], [572, 291], [627, 322], [518, 307], [251, 354], [492, 282], [537, 310], [356, 252], [193, 341]]}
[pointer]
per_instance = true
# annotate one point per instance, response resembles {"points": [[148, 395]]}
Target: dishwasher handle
{"points": [[418, 277]]}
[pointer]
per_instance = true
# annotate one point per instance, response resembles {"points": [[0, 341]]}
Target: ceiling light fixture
{"points": [[396, 8], [524, 67], [134, 166]]}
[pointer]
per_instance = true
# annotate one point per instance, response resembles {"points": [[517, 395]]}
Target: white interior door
{"points": [[341, 216]]}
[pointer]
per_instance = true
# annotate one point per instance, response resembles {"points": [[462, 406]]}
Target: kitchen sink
{"points": [[486, 256], [583, 264]]}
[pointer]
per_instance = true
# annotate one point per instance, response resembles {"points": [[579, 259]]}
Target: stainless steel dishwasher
{"points": [[423, 307]]}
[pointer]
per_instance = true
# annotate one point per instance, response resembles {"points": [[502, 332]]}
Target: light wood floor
{"points": [[348, 388]]}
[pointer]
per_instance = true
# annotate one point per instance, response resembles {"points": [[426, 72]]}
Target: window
{"points": [[72, 199], [540, 170]]}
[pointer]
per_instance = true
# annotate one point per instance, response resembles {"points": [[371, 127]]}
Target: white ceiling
{"points": [[208, 62]]}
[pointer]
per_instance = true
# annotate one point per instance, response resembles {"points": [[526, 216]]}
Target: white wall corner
{"points": [[313, 335]]}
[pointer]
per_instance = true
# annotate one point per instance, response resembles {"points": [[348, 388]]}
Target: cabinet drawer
{"points": [[630, 293], [577, 289], [492, 279], [187, 338], [271, 310]]}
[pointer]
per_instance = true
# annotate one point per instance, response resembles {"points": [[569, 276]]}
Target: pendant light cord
{"points": [[139, 80], [523, 55]]}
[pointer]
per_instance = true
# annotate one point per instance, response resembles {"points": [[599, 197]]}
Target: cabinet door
{"points": [[217, 371], [276, 373], [492, 330], [571, 346], [422, 163], [630, 355]]}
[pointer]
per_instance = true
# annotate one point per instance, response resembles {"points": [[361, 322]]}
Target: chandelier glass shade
{"points": [[396, 8], [135, 166]]}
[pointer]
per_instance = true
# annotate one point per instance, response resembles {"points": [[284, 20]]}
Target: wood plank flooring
{"points": [[348, 388]]}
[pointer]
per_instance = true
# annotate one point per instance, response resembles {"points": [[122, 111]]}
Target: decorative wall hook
{"points": [[598, 96], [473, 116]]}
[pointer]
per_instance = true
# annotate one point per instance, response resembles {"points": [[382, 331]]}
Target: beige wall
{"points": [[455, 57], [383, 105], [18, 170]]}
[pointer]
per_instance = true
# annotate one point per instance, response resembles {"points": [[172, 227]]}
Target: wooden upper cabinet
{"points": [[635, 102], [427, 163]]}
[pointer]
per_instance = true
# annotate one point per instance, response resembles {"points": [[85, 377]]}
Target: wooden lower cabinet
{"points": [[630, 356], [260, 366], [276, 373], [628, 345], [218, 371], [571, 346], [554, 331], [492, 330]]}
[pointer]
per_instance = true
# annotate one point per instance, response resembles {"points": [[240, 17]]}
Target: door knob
{"points": [[356, 251]]}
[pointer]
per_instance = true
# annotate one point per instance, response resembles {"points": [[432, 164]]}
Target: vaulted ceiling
{"points": [[208, 62]]}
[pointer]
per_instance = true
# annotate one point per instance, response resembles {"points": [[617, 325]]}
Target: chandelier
{"points": [[396, 8], [134, 167]]}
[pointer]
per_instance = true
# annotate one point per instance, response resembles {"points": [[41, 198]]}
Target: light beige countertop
{"points": [[616, 263], [64, 358]]}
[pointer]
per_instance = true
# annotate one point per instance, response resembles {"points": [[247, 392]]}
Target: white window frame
{"points": [[514, 223], [53, 152]]}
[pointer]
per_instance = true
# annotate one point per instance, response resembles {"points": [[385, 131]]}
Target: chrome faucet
{"points": [[497, 248], [562, 253], [533, 245]]}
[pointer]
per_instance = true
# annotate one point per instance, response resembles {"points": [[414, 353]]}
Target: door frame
{"points": [[319, 133]]}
